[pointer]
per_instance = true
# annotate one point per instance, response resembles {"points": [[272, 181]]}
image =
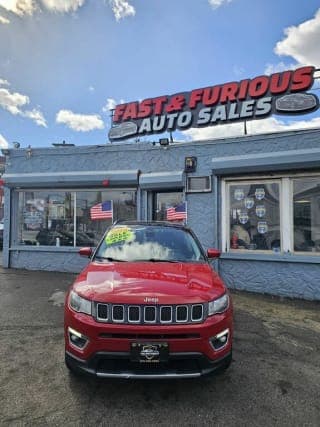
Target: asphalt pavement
{"points": [[274, 379]]}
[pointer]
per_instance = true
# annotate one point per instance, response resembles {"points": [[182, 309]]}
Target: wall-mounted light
{"points": [[164, 141], [190, 164], [29, 151]]}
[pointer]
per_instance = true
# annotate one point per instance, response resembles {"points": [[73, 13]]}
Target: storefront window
{"points": [[254, 216], [46, 218], [96, 210], [281, 215], [306, 214], [65, 218]]}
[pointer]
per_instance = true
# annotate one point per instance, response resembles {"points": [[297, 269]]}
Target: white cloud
{"points": [[267, 125], [214, 132], [273, 124], [238, 71], [79, 122], [121, 9], [4, 82], [302, 42], [4, 20], [3, 142], [28, 7], [217, 3], [19, 7], [63, 6], [36, 116], [14, 103], [111, 104], [279, 67]]}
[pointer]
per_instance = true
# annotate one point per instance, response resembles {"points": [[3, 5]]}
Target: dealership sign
{"points": [[257, 98]]}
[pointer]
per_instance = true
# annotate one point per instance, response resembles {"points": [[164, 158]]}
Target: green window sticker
{"points": [[119, 234]]}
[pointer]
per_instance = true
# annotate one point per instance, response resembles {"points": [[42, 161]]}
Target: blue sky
{"points": [[64, 63]]}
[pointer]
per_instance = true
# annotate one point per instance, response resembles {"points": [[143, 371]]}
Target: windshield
{"points": [[148, 243]]}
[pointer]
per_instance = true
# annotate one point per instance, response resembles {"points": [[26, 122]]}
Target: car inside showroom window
{"points": [[71, 218]]}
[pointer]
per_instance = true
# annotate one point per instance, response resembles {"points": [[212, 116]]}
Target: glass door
{"points": [[168, 206]]}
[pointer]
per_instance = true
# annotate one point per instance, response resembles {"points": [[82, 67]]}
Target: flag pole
{"points": [[112, 209]]}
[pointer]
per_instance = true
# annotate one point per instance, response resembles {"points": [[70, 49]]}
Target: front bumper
{"points": [[118, 365], [108, 350]]}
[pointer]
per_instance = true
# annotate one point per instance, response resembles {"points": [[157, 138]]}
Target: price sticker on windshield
{"points": [[120, 234]]}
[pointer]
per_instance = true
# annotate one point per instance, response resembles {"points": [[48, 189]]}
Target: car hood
{"points": [[149, 282]]}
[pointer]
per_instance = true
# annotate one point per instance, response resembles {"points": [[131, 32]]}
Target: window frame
{"points": [[73, 191], [286, 211]]}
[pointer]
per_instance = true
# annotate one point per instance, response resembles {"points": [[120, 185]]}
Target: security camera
{"points": [[16, 144]]}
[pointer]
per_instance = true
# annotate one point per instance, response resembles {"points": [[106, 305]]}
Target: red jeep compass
{"points": [[148, 305]]}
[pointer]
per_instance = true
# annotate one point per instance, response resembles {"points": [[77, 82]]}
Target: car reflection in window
{"points": [[66, 238]]}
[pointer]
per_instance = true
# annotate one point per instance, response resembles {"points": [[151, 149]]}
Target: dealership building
{"points": [[256, 198]]}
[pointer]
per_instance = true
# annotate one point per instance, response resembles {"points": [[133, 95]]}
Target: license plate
{"points": [[149, 353]]}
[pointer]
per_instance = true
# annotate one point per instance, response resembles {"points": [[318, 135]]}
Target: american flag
{"points": [[102, 210], [178, 212]]}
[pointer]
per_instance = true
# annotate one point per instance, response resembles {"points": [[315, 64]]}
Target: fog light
{"points": [[76, 339], [220, 340]]}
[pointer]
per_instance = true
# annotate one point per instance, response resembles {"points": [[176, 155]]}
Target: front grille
{"points": [[182, 313], [155, 336], [197, 312], [134, 314], [173, 366], [150, 314], [118, 313], [166, 314], [103, 311]]}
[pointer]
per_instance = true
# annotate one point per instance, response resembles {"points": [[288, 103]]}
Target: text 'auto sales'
{"points": [[280, 93]]}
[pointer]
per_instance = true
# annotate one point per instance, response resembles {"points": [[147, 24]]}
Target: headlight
{"points": [[79, 304], [218, 305]]}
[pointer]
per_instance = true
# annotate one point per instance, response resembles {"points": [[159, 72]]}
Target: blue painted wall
{"points": [[288, 277]]}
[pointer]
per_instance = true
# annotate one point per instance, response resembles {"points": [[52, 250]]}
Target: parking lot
{"points": [[274, 378]]}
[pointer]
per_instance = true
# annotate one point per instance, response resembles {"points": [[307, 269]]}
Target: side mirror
{"points": [[213, 253], [87, 252]]}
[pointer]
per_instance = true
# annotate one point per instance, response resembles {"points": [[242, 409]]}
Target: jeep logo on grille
{"points": [[154, 300]]}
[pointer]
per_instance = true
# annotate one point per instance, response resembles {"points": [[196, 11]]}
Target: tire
{"points": [[227, 363], [72, 370]]}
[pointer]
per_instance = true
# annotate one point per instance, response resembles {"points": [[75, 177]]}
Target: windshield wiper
{"points": [[109, 258], [161, 260]]}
